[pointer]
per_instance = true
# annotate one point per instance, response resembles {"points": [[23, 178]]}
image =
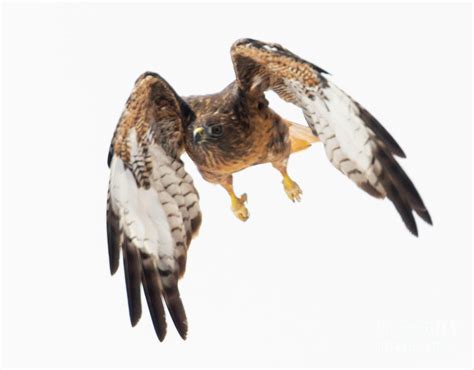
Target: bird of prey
{"points": [[152, 205]]}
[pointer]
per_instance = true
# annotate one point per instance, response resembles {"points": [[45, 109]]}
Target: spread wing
{"points": [[152, 205], [355, 142]]}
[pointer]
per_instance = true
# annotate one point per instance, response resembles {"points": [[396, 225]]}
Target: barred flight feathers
{"points": [[153, 209], [152, 206], [355, 142]]}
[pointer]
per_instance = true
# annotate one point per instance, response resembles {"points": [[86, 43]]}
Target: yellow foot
{"points": [[238, 207], [292, 189]]}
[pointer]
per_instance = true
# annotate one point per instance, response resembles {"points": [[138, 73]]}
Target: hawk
{"points": [[153, 208]]}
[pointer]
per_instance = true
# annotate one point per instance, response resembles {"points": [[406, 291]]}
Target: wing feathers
{"points": [[153, 207], [363, 150], [355, 142], [403, 208], [113, 237], [151, 286], [404, 186], [425, 216], [382, 134], [132, 268], [176, 309]]}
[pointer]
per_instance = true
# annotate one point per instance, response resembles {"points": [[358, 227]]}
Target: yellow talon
{"points": [[238, 206], [291, 188]]}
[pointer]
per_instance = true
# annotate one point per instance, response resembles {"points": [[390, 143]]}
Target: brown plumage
{"points": [[152, 206], [249, 133]]}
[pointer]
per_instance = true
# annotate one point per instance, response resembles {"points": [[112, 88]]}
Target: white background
{"points": [[333, 281]]}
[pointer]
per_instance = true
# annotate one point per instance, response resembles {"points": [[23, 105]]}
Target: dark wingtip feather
{"points": [[319, 69], [403, 208], [381, 132], [369, 189], [151, 285], [176, 310], [196, 223], [401, 180], [401, 190], [110, 155], [113, 240], [132, 268], [425, 216], [410, 222]]}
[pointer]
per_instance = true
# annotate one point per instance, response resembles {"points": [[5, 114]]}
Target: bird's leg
{"points": [[237, 203], [291, 188]]}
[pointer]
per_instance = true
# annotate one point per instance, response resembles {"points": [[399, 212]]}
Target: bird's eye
{"points": [[216, 130]]}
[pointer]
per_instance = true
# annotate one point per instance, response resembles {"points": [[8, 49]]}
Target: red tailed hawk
{"points": [[152, 205]]}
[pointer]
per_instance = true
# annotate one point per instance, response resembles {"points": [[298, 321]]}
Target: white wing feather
{"points": [[354, 141], [349, 144], [153, 209]]}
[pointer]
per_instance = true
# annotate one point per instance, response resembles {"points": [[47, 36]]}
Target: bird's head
{"points": [[221, 134], [208, 131]]}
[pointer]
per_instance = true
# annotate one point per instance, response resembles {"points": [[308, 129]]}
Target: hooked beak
{"points": [[197, 135]]}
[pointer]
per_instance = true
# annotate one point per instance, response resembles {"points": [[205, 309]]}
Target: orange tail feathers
{"points": [[301, 137]]}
